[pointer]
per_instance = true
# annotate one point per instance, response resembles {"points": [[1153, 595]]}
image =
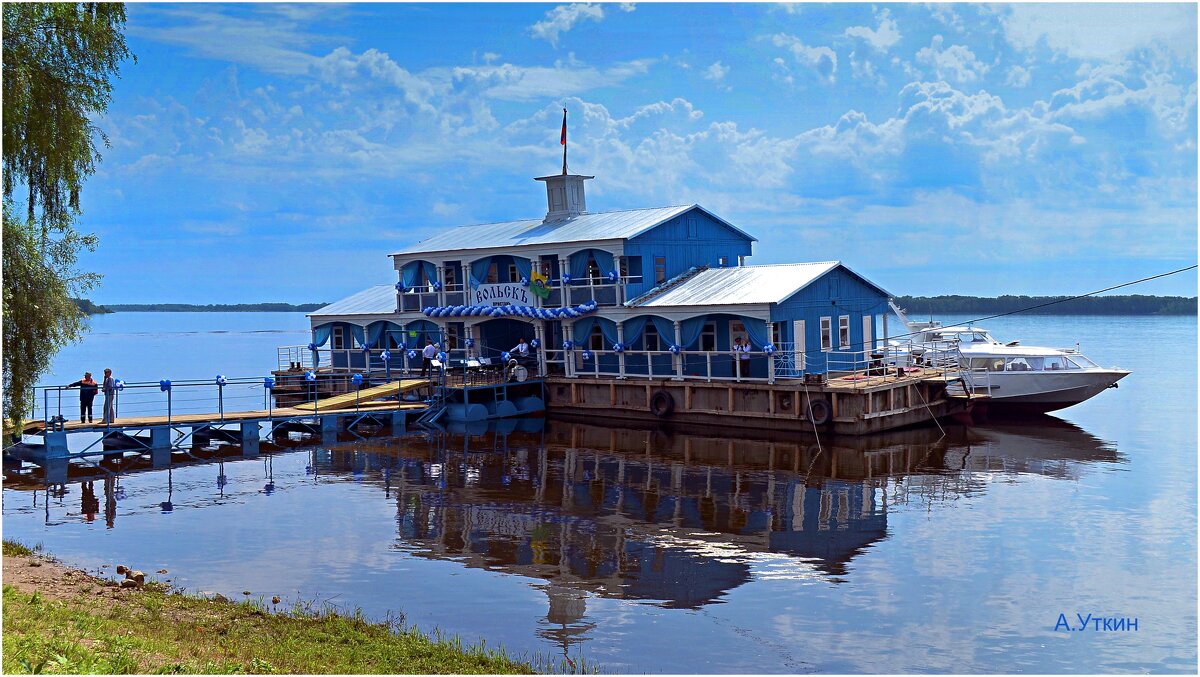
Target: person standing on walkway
{"points": [[741, 357], [427, 354], [110, 397], [87, 392]]}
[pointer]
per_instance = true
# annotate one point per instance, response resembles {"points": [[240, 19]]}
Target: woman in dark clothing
{"points": [[87, 392]]}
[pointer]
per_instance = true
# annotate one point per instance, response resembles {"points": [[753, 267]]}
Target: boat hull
{"points": [[1040, 392]]}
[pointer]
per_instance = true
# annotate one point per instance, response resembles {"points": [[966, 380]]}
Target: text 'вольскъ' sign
{"points": [[501, 294]]}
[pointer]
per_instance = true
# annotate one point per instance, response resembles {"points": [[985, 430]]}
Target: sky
{"points": [[280, 152]]}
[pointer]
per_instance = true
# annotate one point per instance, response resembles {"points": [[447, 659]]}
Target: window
{"points": [[708, 337], [512, 273], [723, 262], [631, 269], [776, 338], [826, 333], [339, 338], [493, 275], [453, 332], [450, 277], [650, 339], [660, 269], [1055, 363], [593, 270], [844, 332], [741, 261], [596, 340]]}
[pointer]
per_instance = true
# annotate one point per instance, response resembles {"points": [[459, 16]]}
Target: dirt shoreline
{"points": [[54, 580]]}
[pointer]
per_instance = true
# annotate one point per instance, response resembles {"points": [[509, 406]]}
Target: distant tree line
{"points": [[917, 306], [88, 308], [213, 307]]}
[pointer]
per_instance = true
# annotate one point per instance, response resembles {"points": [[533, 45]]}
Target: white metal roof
{"points": [[616, 225], [380, 299], [743, 285]]}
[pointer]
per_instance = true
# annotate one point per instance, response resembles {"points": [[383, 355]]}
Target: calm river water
{"points": [[651, 551]]}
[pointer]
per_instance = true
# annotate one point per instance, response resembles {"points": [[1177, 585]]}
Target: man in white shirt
{"points": [[521, 352], [741, 356], [427, 354]]}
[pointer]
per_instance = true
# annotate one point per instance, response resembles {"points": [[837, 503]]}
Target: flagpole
{"points": [[564, 141]]}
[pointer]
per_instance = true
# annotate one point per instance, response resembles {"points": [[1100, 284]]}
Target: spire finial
{"points": [[563, 141]]}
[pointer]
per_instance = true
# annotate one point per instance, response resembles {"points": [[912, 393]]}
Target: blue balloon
{"points": [[310, 376], [385, 355], [674, 349], [612, 276], [566, 278], [769, 348], [400, 287], [312, 346], [412, 354], [535, 343], [356, 379], [568, 345], [164, 385], [120, 385], [618, 347], [269, 382], [524, 282], [587, 355], [366, 349], [442, 357], [504, 356], [402, 346], [470, 343], [221, 380]]}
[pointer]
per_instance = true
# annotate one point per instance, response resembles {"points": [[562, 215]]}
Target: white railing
{"points": [[661, 364]]}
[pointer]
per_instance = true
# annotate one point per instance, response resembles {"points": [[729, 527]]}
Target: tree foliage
{"points": [[58, 60]]}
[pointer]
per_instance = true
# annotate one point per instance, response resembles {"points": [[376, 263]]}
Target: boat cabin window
{"points": [[1081, 362], [987, 363], [1023, 364], [1055, 363]]}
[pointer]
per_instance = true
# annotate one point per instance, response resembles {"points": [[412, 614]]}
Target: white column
{"points": [[469, 334], [441, 285], [771, 358], [539, 332], [569, 358], [466, 284], [565, 296], [678, 358], [621, 355]]}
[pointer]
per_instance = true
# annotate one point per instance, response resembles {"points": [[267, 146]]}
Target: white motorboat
{"points": [[1015, 376]]}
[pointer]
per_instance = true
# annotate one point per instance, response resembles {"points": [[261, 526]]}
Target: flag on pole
{"points": [[537, 284], [563, 141]]}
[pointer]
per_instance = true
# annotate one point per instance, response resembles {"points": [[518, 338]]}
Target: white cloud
{"points": [[821, 59], [627, 6], [863, 69], [564, 17], [716, 72], [1102, 30], [882, 38], [526, 83], [955, 62], [947, 16], [1018, 76]]}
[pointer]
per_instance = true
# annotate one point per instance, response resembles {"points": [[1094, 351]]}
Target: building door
{"points": [[868, 344], [798, 338]]}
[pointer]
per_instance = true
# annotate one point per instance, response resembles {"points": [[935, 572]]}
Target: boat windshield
{"points": [[965, 337], [1079, 361]]}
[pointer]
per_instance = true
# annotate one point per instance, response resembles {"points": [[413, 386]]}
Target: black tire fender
{"points": [[662, 404], [819, 411]]}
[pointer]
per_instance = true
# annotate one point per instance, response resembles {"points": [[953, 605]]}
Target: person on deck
{"points": [[87, 392], [741, 361], [520, 352], [427, 354], [110, 397]]}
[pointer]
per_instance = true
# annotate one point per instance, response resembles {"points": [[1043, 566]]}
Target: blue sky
{"points": [[279, 152]]}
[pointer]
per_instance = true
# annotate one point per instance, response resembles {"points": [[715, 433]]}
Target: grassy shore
{"points": [[91, 626]]}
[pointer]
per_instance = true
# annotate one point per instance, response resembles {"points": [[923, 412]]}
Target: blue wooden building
{"points": [[663, 292]]}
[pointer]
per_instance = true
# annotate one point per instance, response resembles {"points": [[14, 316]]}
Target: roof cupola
{"points": [[564, 196]]}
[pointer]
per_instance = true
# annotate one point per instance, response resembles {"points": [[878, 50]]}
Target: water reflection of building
{"points": [[678, 519]]}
